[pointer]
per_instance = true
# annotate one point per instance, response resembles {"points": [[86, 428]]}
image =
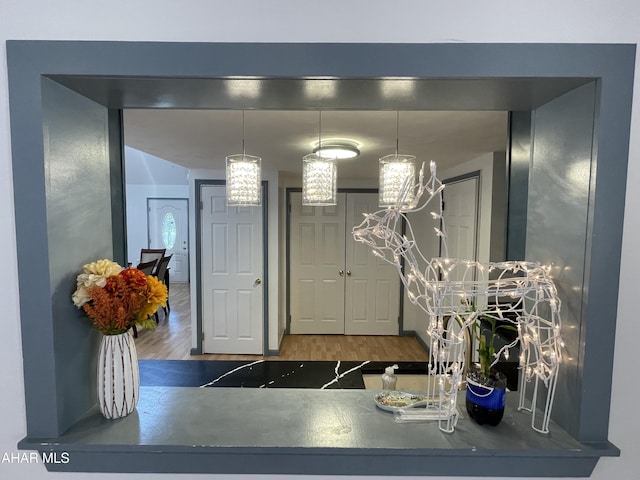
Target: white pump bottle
{"points": [[389, 378]]}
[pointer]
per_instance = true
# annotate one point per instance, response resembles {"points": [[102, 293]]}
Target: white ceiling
{"points": [[203, 138]]}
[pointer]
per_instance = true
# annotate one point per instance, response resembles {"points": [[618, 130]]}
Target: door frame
{"points": [[288, 192], [199, 183], [149, 229]]}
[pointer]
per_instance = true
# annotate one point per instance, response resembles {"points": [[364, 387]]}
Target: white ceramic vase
{"points": [[118, 376]]}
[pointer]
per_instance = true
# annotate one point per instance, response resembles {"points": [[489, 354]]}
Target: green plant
{"points": [[486, 342]]}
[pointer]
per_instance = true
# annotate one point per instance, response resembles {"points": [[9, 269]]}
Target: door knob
{"points": [[257, 282], [341, 272], [349, 273]]}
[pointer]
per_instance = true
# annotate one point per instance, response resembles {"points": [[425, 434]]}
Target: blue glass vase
{"points": [[485, 398]]}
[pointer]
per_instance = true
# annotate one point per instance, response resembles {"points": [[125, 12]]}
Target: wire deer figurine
{"points": [[454, 293]]}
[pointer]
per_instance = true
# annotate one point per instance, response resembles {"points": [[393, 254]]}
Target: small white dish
{"points": [[392, 401]]}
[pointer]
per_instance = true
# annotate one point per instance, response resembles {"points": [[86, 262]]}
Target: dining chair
{"points": [[148, 254], [147, 267]]}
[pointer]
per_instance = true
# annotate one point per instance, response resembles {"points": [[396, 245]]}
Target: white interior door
{"points": [[231, 275], [336, 285], [461, 222], [372, 290], [316, 260], [168, 220], [460, 217]]}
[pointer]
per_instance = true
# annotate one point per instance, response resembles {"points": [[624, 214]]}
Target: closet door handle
{"points": [[341, 272], [348, 273]]}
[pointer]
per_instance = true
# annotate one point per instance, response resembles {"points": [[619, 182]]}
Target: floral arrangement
{"points": [[117, 298]]}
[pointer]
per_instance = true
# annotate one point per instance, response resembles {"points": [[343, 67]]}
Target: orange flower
{"points": [[134, 278]]}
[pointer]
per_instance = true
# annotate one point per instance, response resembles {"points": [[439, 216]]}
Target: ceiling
{"points": [[196, 122], [203, 138]]}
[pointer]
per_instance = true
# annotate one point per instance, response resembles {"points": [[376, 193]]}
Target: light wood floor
{"points": [[172, 341]]}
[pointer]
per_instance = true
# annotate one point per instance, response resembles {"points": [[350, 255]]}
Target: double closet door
{"points": [[337, 286]]}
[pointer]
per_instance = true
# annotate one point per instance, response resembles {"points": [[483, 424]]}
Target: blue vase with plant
{"points": [[486, 387]]}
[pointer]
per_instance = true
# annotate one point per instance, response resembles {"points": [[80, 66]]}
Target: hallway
{"points": [[172, 341]]}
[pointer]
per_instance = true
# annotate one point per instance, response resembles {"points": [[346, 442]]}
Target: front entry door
{"points": [[168, 220], [336, 285], [231, 275]]}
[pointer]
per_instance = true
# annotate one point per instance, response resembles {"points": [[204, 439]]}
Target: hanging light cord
{"points": [[397, 131], [320, 130], [243, 151]]}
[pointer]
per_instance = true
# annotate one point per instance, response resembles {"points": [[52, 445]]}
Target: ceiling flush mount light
{"points": [[243, 178], [397, 177], [337, 150], [319, 177]]}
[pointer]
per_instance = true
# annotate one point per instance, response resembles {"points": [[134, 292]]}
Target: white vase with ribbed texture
{"points": [[118, 376]]}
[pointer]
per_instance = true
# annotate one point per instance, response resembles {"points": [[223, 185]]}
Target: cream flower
{"points": [[80, 297], [104, 267], [95, 275]]}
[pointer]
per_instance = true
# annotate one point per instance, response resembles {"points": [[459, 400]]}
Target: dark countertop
{"points": [[303, 426]]}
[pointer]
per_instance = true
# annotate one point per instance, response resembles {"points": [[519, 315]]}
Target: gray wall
{"points": [[78, 205], [117, 177], [520, 152], [499, 208], [558, 217]]}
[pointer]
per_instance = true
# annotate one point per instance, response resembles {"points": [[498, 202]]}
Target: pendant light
{"points": [[397, 176], [319, 176], [244, 174]]}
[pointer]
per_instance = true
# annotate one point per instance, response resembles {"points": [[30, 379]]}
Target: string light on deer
{"points": [[446, 289]]}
